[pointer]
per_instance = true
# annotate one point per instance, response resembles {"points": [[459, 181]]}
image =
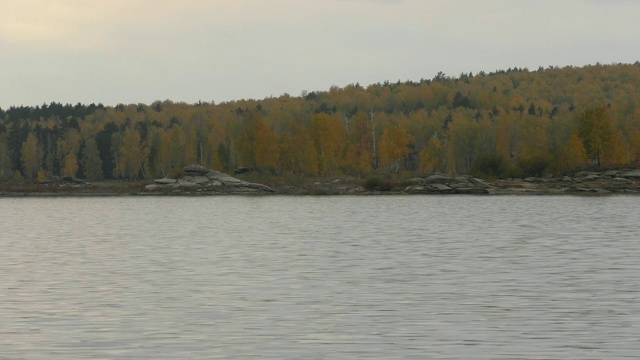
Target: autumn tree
{"points": [[258, 144], [297, 152], [514, 113], [267, 148], [215, 155], [171, 158], [91, 161], [394, 147], [327, 134], [594, 128], [132, 156], [359, 153], [463, 140], [433, 158], [575, 153], [67, 152], [31, 156]]}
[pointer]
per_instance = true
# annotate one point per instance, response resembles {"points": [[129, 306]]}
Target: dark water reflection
{"points": [[320, 278]]}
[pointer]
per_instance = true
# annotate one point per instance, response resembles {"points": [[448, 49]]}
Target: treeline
{"points": [[513, 122]]}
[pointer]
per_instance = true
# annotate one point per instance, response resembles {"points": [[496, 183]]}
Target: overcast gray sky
{"points": [[130, 51]]}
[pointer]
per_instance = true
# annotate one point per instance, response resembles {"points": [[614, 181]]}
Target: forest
{"points": [[508, 123]]}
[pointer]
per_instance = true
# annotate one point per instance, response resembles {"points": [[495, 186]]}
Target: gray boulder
{"points": [[444, 189], [214, 175], [203, 180], [581, 174], [478, 183], [439, 179], [187, 183], [154, 187], [230, 181], [165, 181], [195, 170], [261, 187], [533, 179], [420, 190], [199, 179], [622, 180], [633, 174]]}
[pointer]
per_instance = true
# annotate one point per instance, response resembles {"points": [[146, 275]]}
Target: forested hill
{"points": [[504, 123]]}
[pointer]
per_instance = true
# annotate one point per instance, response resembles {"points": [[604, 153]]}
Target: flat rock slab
{"points": [[155, 187], [214, 175], [196, 169], [533, 179], [439, 179], [443, 188], [199, 179], [611, 173], [165, 181], [580, 174], [187, 184], [230, 181], [261, 187], [633, 174], [478, 183]]}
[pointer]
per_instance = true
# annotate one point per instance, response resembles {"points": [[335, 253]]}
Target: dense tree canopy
{"points": [[506, 123]]}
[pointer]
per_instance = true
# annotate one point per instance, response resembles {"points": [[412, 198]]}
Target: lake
{"points": [[344, 277]]}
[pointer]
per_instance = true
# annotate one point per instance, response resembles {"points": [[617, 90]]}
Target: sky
{"points": [[140, 51]]}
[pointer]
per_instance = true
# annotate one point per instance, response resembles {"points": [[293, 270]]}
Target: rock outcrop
{"points": [[442, 184], [201, 180], [583, 182], [63, 180]]}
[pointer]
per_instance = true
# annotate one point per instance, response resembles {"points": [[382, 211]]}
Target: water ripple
{"points": [[320, 278]]}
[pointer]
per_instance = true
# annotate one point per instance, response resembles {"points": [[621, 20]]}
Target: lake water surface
{"points": [[387, 277]]}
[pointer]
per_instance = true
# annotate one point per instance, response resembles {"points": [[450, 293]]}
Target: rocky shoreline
{"points": [[581, 183], [200, 181], [625, 181]]}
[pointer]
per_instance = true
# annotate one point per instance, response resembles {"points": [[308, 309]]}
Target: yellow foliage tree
{"points": [[594, 128], [267, 148], [258, 144], [394, 147], [433, 158], [31, 156], [70, 144], [298, 154], [70, 164], [328, 137], [576, 155], [132, 155], [359, 155]]}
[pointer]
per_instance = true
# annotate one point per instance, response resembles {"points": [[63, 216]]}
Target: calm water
{"points": [[407, 277]]}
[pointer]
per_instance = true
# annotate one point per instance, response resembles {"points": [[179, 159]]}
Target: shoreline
{"points": [[540, 191], [610, 182]]}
